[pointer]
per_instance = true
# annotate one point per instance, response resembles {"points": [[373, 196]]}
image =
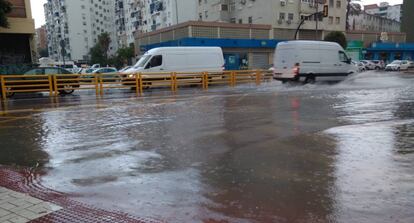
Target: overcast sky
{"points": [[37, 8]]}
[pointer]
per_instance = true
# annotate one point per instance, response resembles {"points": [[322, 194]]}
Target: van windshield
{"points": [[141, 62]]}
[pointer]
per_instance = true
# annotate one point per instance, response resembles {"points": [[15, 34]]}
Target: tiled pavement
{"points": [[19, 208], [23, 199]]}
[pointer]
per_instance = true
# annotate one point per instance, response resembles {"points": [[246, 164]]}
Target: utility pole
{"points": [[316, 19], [176, 11]]}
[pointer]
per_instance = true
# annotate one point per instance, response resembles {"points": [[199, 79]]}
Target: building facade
{"points": [[373, 23], [407, 20], [244, 45], [158, 14], [283, 15], [73, 27], [138, 16], [17, 43], [385, 10], [41, 38]]}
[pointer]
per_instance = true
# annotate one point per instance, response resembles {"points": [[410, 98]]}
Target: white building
{"points": [[77, 24], [373, 23], [158, 14], [385, 10], [141, 16], [283, 15]]}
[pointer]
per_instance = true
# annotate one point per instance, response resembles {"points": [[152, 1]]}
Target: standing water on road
{"points": [[276, 153]]}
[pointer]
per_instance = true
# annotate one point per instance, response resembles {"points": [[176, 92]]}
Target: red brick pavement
{"points": [[72, 211]]}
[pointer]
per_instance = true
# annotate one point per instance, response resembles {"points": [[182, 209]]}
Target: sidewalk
{"points": [[22, 201]]}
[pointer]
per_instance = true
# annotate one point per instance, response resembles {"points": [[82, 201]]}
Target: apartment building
{"points": [[41, 37], [139, 16], [385, 10], [158, 14], [373, 23], [17, 43], [73, 27], [407, 20], [283, 15]]}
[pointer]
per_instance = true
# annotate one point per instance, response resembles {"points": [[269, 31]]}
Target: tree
{"points": [[99, 52], [352, 8], [104, 40], [123, 56], [5, 8], [97, 55], [126, 53], [337, 37]]}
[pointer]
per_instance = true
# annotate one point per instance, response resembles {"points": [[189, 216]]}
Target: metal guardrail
{"points": [[67, 83]]}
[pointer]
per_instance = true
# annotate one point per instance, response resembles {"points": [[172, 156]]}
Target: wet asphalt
{"points": [[272, 153]]}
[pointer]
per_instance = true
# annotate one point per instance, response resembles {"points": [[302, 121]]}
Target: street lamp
{"points": [[176, 11]]}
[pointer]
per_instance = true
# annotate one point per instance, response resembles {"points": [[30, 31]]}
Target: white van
{"points": [[180, 59], [310, 61]]}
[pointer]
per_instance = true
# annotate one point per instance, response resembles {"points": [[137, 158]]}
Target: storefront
{"points": [[354, 50], [390, 51]]}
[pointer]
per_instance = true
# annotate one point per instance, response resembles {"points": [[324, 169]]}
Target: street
{"points": [[268, 153]]}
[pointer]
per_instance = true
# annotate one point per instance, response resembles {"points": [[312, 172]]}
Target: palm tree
{"points": [[104, 40]]}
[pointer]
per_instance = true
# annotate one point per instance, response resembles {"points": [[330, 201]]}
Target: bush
{"points": [[337, 37]]}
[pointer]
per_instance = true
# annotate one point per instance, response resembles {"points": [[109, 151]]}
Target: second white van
{"points": [[310, 61]]}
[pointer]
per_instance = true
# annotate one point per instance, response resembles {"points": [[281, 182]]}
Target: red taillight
{"points": [[296, 69]]}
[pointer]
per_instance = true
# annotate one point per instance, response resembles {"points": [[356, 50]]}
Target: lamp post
{"points": [[176, 11]]}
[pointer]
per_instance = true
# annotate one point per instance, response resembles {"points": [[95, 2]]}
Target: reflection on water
{"points": [[313, 153], [375, 161]]}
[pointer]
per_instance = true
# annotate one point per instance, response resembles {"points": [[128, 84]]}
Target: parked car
{"points": [[309, 61], [105, 70], [368, 64], [378, 64], [397, 65], [45, 71], [410, 64], [109, 73], [124, 69], [359, 65]]}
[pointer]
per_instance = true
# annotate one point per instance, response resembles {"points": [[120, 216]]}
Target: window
{"points": [[343, 57], [331, 3], [233, 20], [206, 14], [331, 20], [290, 16], [337, 20], [155, 61], [282, 16], [240, 21], [250, 20], [338, 4]]}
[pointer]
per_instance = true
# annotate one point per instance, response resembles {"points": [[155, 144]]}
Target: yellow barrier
{"points": [[11, 84], [67, 83]]}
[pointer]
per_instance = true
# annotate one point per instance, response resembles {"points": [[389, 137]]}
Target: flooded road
{"points": [[273, 153]]}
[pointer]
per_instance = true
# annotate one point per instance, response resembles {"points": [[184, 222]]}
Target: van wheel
{"points": [[310, 79]]}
